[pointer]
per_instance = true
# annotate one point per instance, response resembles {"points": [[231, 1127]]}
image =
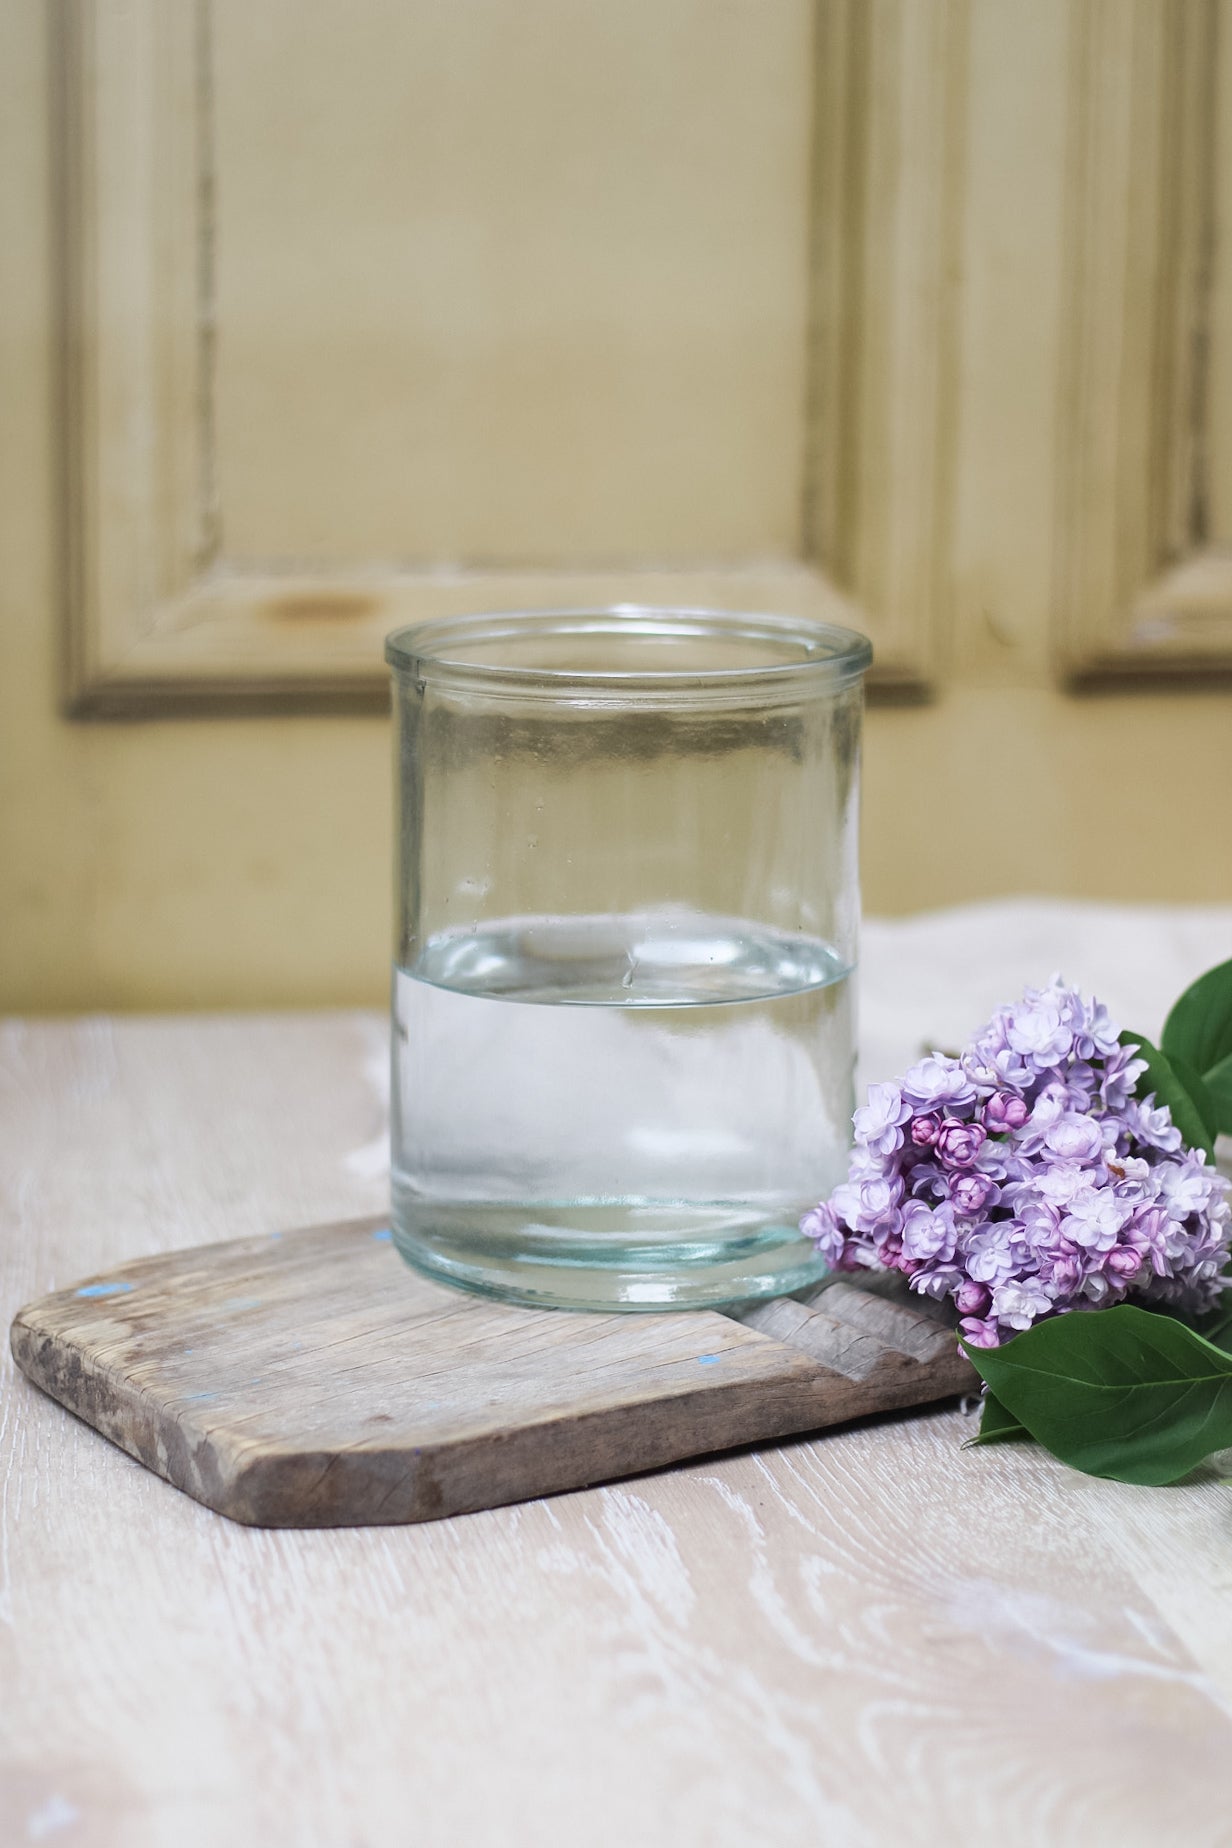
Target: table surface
{"points": [[874, 1636]]}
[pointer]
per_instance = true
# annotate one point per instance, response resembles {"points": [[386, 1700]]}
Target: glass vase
{"points": [[627, 910]]}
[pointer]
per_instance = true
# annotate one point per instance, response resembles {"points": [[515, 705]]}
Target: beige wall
{"points": [[201, 861]]}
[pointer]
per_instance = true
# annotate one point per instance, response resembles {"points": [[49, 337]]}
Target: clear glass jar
{"points": [[628, 900]]}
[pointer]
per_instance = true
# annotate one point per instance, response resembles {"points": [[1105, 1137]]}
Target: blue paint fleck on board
{"points": [[104, 1289], [384, 1236], [196, 1398], [709, 1360]]}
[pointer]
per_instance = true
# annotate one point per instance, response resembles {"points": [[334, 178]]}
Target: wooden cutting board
{"points": [[311, 1379]]}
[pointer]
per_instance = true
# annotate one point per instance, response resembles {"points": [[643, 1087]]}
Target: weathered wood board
{"points": [[310, 1379]]}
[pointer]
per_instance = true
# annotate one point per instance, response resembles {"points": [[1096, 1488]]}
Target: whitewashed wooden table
{"points": [[873, 1637]]}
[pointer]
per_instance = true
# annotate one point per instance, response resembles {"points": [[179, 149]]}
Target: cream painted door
{"points": [[913, 312]]}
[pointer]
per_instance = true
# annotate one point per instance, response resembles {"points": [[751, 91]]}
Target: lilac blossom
{"points": [[1025, 1179], [879, 1122], [937, 1081]]}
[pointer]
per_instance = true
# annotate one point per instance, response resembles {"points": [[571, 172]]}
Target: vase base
{"points": [[607, 1256]]}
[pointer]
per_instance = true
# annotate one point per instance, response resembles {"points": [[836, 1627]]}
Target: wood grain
{"points": [[875, 1636], [313, 1380]]}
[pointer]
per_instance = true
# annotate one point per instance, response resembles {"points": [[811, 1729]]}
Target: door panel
{"points": [[914, 313]]}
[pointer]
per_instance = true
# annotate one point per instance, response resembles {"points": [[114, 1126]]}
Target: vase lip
{"points": [[631, 653]]}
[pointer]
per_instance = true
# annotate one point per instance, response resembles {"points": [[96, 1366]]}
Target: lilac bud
{"points": [[958, 1144], [970, 1192], [1005, 1110], [980, 1333], [971, 1298], [924, 1131], [1066, 1274], [1123, 1262]]}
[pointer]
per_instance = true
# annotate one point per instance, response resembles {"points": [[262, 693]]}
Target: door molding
{"points": [[1140, 591], [158, 621]]}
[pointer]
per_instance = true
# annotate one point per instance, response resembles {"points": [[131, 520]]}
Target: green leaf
{"points": [[1199, 1031], [1162, 1078], [1200, 1024], [997, 1426], [1199, 1094], [1115, 1392], [1219, 1090]]}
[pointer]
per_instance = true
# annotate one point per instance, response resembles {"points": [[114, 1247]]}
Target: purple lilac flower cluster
{"points": [[1024, 1178]]}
